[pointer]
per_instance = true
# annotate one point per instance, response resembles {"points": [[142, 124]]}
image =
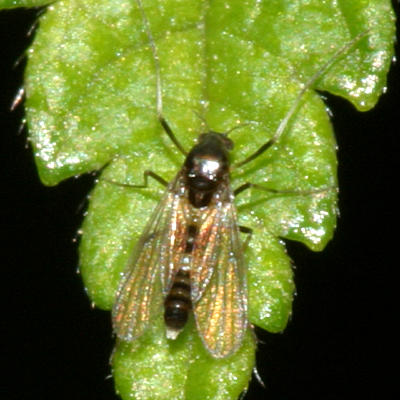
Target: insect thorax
{"points": [[206, 167]]}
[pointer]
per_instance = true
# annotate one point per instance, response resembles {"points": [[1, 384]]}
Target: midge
{"points": [[192, 242]]}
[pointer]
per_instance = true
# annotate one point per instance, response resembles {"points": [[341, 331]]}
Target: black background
{"points": [[339, 343]]}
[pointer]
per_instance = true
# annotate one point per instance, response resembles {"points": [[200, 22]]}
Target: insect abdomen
{"points": [[178, 304]]}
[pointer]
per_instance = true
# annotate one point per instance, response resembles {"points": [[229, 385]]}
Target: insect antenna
{"points": [[236, 127], [202, 119], [283, 124], [157, 68], [225, 133]]}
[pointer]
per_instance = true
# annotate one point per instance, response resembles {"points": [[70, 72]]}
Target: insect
{"points": [[192, 243]]}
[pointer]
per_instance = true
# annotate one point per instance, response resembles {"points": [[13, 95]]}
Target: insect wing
{"points": [[220, 307], [157, 251], [174, 233]]}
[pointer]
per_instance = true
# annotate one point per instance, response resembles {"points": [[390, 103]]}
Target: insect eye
{"points": [[228, 143], [201, 137]]}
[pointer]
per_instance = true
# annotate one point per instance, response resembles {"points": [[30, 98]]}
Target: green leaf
{"points": [[90, 102], [23, 3], [153, 367]]}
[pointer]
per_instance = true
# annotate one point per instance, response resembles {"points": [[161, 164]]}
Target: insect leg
{"points": [[249, 185], [157, 68], [248, 232], [146, 176], [282, 126], [171, 134]]}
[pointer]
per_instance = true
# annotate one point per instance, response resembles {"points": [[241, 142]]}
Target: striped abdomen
{"points": [[178, 303]]}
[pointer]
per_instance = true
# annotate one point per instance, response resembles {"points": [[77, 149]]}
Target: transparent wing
{"points": [[156, 255], [219, 280]]}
